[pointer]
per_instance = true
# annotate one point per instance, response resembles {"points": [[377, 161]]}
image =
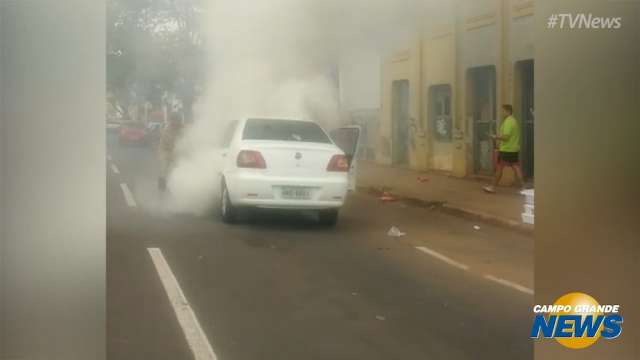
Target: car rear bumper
{"points": [[253, 189]]}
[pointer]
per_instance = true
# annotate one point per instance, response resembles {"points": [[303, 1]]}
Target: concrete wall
{"points": [[520, 30], [438, 68], [520, 41], [496, 33], [445, 53], [478, 44], [405, 65]]}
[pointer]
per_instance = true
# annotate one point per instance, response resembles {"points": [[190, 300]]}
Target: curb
{"points": [[487, 218], [455, 210]]}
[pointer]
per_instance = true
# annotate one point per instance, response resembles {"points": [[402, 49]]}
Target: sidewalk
{"points": [[461, 196]]}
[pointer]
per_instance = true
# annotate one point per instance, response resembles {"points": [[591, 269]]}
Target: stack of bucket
{"points": [[528, 214]]}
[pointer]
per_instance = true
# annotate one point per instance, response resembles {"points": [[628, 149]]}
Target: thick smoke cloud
{"points": [[278, 58]]}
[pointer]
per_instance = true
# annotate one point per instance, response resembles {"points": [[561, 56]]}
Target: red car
{"points": [[133, 133]]}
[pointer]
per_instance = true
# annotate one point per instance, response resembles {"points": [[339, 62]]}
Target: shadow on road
{"points": [[281, 220]]}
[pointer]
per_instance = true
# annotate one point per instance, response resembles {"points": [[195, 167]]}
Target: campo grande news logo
{"points": [[577, 321]]}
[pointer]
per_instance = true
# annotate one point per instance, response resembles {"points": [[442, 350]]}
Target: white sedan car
{"points": [[284, 164]]}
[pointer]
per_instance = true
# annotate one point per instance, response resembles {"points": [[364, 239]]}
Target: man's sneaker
{"points": [[489, 189]]}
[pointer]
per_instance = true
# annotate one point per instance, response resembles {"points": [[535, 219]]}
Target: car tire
{"points": [[328, 217], [228, 212]]}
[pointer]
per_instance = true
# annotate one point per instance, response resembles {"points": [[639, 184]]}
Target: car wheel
{"points": [[328, 217], [227, 210]]}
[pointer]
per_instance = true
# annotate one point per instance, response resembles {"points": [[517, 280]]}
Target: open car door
{"points": [[348, 140]]}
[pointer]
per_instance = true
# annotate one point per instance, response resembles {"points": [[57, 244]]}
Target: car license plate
{"points": [[296, 193]]}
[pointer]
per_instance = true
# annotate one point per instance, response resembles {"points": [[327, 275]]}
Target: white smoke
{"points": [[277, 58]]}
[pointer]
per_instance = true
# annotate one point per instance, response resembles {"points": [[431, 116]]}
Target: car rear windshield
{"points": [[284, 130]]}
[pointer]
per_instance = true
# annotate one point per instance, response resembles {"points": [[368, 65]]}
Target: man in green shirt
{"points": [[509, 149]]}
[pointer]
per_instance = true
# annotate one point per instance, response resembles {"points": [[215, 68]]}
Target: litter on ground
{"points": [[395, 232], [386, 196]]}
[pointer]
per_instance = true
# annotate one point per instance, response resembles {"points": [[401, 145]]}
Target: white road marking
{"points": [[128, 196], [510, 284], [442, 257], [115, 169], [196, 338]]}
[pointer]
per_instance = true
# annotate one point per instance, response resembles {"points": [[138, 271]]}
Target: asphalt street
{"points": [[278, 286]]}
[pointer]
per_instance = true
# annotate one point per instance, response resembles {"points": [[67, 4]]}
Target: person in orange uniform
{"points": [[167, 146]]}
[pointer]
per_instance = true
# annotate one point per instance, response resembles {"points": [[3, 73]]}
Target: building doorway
{"points": [[400, 122], [524, 73], [481, 105]]}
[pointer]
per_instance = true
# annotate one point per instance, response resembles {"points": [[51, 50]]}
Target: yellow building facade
{"points": [[441, 97]]}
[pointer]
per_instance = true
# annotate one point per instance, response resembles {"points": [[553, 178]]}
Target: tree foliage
{"points": [[154, 47]]}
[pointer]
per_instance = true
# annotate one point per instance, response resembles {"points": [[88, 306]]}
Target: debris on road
{"points": [[528, 216], [386, 196], [395, 232], [476, 227], [423, 179], [381, 318]]}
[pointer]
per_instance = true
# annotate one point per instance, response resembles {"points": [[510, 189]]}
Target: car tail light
{"points": [[251, 159], [338, 163]]}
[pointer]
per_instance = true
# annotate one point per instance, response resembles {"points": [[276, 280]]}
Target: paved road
{"points": [[280, 287]]}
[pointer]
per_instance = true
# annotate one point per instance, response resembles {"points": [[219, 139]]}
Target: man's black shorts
{"points": [[508, 158]]}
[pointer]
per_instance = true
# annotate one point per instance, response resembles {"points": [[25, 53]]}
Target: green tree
{"points": [[154, 47]]}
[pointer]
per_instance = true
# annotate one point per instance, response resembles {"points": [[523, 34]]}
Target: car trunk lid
{"points": [[299, 159]]}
